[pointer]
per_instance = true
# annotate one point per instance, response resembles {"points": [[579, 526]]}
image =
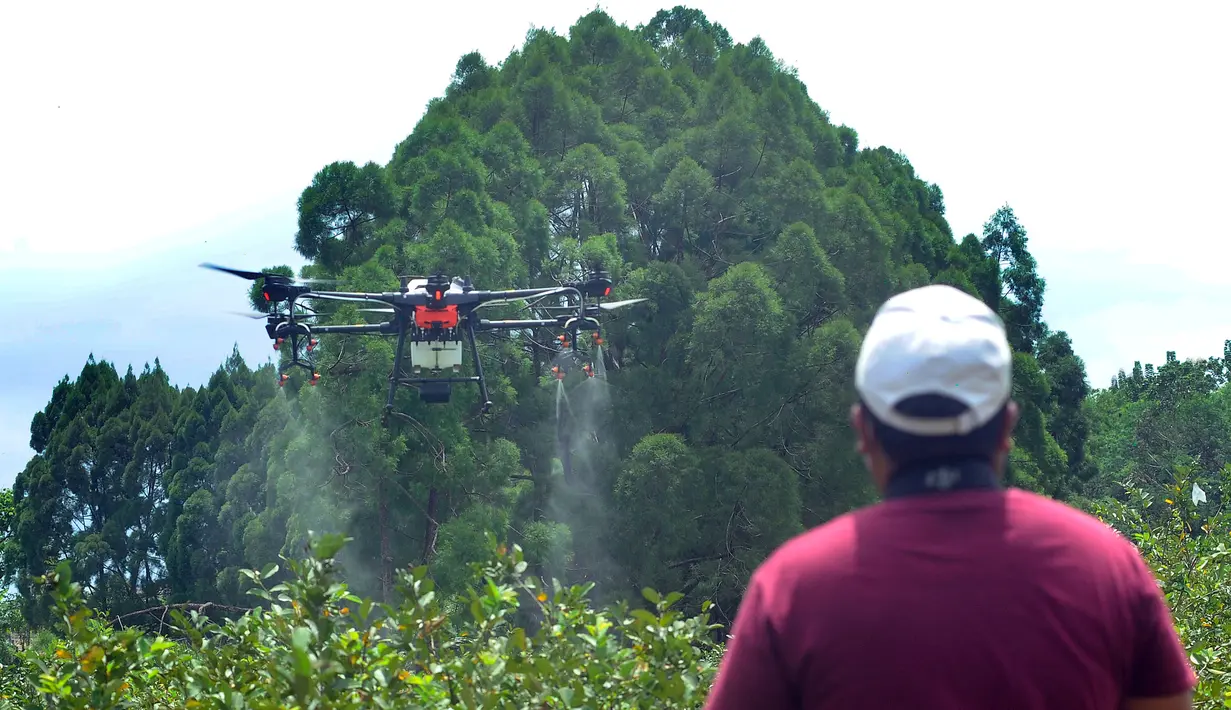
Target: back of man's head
{"points": [[934, 377]]}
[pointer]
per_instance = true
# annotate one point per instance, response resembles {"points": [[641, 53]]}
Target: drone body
{"points": [[434, 320]]}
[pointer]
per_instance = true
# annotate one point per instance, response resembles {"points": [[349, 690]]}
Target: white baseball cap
{"points": [[935, 340]]}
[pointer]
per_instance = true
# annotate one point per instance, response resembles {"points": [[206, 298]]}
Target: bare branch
{"points": [[162, 611]]}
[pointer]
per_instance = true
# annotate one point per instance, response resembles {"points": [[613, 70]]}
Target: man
{"points": [[953, 592]]}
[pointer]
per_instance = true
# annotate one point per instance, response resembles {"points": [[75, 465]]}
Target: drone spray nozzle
{"points": [[588, 369], [278, 342], [557, 371], [316, 377]]}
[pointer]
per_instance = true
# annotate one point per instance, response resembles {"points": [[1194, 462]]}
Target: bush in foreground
{"points": [[513, 643], [1183, 535], [315, 645]]}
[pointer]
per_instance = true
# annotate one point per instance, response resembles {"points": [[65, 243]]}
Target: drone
{"points": [[434, 318]]}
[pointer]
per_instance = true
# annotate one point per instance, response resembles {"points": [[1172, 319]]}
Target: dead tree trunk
{"points": [[386, 552], [433, 527]]}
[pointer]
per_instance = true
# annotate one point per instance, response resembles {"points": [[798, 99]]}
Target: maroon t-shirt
{"points": [[971, 599]]}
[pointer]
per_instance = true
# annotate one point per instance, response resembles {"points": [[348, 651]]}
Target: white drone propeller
{"points": [[619, 304]]}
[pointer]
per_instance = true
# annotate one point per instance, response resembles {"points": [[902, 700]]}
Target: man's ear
{"points": [[1011, 415], [860, 425]]}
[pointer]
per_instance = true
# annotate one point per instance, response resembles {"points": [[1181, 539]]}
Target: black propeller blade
{"points": [[250, 275], [276, 278]]}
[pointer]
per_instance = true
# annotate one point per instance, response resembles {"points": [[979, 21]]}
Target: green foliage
{"points": [[1020, 302], [7, 544], [317, 645], [1160, 451], [507, 639], [341, 203], [13, 630], [1185, 538]]}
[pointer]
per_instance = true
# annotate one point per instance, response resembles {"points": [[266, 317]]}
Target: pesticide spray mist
{"points": [[589, 466]]}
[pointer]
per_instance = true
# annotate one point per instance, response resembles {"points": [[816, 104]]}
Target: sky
{"points": [[140, 139]]}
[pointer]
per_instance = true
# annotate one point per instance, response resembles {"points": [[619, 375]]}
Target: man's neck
{"points": [[942, 475]]}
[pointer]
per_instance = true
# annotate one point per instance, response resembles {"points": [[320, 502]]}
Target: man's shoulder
{"points": [[825, 546], [1033, 510], [1033, 518]]}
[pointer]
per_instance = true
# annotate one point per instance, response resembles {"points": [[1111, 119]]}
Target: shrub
{"points": [[1186, 546], [312, 644], [511, 641]]}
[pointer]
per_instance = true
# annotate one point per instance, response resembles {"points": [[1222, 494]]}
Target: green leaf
{"points": [[326, 547], [644, 616]]}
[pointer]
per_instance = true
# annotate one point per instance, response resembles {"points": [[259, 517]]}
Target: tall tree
{"points": [[341, 203], [8, 520], [1021, 304], [1067, 421]]}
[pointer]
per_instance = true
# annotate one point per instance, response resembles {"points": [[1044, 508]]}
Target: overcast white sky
{"points": [[139, 139]]}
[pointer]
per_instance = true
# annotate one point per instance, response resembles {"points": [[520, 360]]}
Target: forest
{"points": [[241, 544]]}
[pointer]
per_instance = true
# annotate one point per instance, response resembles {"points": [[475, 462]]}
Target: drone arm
{"points": [[516, 294], [350, 296], [495, 298], [501, 324], [369, 329], [485, 298]]}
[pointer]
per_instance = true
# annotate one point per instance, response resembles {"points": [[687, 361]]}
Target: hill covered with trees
{"points": [[702, 175]]}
